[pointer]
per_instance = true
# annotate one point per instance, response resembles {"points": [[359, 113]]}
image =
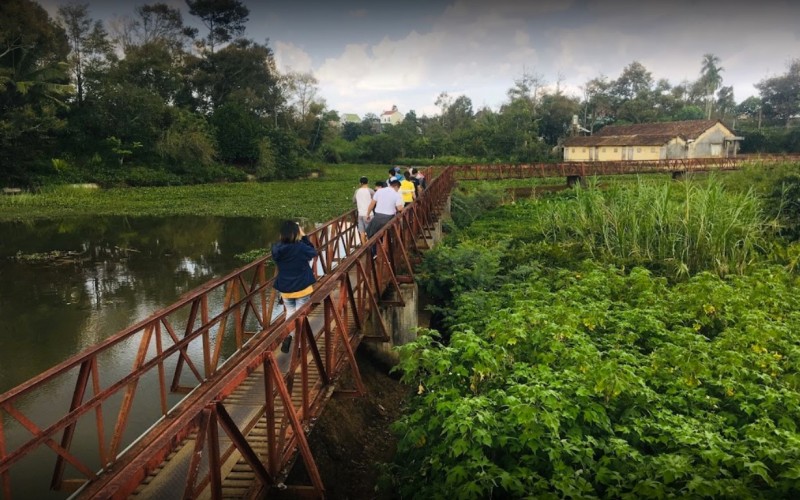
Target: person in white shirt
{"points": [[362, 198], [385, 204]]}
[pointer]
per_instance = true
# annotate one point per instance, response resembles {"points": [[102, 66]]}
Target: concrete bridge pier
{"points": [[401, 323]]}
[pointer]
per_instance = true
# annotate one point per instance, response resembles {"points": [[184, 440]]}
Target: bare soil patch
{"points": [[353, 437]]}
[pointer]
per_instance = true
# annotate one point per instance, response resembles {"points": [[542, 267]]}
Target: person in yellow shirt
{"points": [[407, 189]]}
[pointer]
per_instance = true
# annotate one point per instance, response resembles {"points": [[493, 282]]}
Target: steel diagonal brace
{"points": [[388, 265], [294, 422], [351, 356], [373, 299]]}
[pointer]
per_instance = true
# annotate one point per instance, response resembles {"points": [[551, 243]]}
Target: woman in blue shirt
{"points": [[295, 280]]}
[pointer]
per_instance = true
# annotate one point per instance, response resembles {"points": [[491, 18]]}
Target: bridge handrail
{"points": [[335, 239]]}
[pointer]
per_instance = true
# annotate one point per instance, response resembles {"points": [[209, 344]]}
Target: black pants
{"points": [[377, 223]]}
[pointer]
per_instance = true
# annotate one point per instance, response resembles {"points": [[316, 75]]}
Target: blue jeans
{"points": [[293, 305]]}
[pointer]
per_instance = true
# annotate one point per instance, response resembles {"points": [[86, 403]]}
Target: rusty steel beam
{"points": [[120, 474]]}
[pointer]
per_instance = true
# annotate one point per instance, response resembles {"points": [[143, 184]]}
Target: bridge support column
{"points": [[678, 175], [574, 180], [400, 321]]}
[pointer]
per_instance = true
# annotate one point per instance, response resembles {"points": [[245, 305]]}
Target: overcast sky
{"points": [[369, 55]]}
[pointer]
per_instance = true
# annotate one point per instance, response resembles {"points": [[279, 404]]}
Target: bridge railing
{"points": [[206, 336], [585, 169]]}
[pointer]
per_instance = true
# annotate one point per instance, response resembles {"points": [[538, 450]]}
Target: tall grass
{"points": [[689, 226]]}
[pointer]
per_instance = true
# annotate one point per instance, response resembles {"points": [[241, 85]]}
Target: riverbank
{"points": [[318, 199]]}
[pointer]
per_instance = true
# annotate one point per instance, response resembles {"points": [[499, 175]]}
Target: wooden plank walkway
{"points": [[248, 408]]}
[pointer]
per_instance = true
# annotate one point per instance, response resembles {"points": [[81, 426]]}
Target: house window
{"points": [[604, 150], [652, 150], [638, 150], [615, 150]]}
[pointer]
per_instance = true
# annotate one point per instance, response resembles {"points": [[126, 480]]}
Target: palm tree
{"points": [[711, 76]]}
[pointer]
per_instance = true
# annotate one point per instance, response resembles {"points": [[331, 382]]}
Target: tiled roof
{"points": [[620, 140], [688, 129], [390, 112]]}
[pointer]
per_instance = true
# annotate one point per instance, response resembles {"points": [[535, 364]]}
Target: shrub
{"points": [[469, 204], [188, 143], [598, 383]]}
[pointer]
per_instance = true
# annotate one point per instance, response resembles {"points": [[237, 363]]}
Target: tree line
{"points": [[149, 99]]}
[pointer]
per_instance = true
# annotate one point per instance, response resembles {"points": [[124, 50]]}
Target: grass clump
{"points": [[684, 227]]}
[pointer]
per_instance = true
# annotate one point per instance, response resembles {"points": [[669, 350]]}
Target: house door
{"points": [[716, 150]]}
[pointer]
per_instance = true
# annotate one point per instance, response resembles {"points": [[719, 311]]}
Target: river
{"points": [[68, 284]]}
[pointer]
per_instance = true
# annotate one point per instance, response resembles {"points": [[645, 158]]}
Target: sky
{"points": [[371, 55]]}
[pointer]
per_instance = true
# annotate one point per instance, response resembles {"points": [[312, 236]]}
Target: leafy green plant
{"points": [[598, 383]]}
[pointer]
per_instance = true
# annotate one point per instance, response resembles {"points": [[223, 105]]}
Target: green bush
{"points": [[468, 204], [594, 383], [188, 143], [448, 271]]}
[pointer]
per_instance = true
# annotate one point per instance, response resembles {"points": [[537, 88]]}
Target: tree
{"points": [[152, 66], [599, 106], [528, 86], [245, 69], [780, 95], [726, 104], [632, 94], [155, 23], [301, 90], [458, 114], [87, 39], [634, 81], [710, 79], [751, 109], [238, 132], [225, 19], [34, 86], [556, 114]]}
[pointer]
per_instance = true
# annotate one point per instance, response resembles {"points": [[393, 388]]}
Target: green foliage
{"points": [[188, 142], [449, 271], [238, 131], [316, 199], [771, 140], [467, 204], [684, 228], [596, 383]]}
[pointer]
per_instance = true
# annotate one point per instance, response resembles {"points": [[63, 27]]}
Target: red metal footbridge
{"points": [[197, 400]]}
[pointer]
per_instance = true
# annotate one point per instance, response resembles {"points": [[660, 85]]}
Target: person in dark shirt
{"points": [[295, 280]]}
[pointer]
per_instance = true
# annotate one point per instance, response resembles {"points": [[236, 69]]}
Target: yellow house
{"points": [[654, 141], [391, 117]]}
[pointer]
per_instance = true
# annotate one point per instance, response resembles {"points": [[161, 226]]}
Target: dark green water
{"points": [[118, 271], [125, 269]]}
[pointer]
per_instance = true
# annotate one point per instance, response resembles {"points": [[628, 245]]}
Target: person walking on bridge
{"points": [[362, 198], [408, 190], [385, 203], [295, 280]]}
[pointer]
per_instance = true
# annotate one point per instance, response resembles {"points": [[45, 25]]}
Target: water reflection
{"points": [[112, 272]]}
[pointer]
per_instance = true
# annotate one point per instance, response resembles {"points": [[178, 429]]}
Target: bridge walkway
{"points": [[247, 408]]}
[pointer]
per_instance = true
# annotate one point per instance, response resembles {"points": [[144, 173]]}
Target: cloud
{"points": [[289, 57], [467, 47], [480, 47]]}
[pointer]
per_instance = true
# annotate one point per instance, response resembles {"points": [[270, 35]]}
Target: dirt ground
{"points": [[352, 437]]}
